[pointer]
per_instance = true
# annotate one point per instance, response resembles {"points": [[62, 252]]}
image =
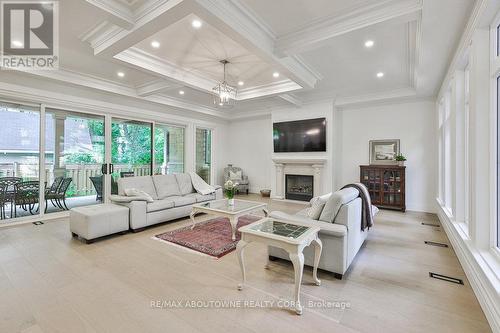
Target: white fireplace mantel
{"points": [[300, 166]]}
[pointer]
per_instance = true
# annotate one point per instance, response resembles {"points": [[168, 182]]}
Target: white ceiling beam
{"points": [[324, 29], [152, 17], [143, 60], [92, 82], [292, 99], [154, 87], [118, 13]]}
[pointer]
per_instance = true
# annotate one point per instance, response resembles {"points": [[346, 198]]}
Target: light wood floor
{"points": [[50, 282]]}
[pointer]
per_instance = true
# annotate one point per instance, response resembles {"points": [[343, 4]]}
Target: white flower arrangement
{"points": [[230, 188]]}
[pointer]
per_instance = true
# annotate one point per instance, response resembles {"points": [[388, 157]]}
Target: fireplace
{"points": [[299, 187]]}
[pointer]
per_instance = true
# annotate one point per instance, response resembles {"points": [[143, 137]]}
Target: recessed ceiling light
{"points": [[17, 43], [120, 74], [221, 104], [369, 43], [155, 44], [276, 74], [196, 24], [240, 83], [380, 75], [181, 92]]}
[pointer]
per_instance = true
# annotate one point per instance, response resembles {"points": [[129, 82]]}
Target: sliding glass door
{"points": [[169, 146], [74, 156], [131, 150], [19, 161], [204, 153]]}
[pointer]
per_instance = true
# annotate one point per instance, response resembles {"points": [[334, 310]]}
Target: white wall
{"points": [[414, 124], [250, 147]]}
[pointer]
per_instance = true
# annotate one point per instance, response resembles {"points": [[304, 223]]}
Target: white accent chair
{"points": [[341, 233], [173, 198]]}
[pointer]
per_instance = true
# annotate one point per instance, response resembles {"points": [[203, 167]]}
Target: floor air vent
{"points": [[445, 278], [38, 223], [431, 225], [436, 244]]}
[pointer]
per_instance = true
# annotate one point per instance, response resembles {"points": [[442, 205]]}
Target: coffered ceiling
{"points": [[315, 49]]}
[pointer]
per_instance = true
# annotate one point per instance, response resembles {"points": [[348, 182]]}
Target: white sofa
{"points": [[341, 235], [173, 197]]}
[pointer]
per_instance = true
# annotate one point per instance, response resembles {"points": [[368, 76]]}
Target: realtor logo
{"points": [[30, 35]]}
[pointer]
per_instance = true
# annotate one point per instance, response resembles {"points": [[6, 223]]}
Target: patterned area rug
{"points": [[212, 237]]}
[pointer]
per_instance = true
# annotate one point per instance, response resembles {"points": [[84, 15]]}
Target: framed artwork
{"points": [[384, 151]]}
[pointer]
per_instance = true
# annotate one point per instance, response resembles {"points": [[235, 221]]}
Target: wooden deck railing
{"points": [[80, 173]]}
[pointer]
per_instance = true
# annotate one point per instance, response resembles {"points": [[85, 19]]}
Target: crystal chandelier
{"points": [[224, 94]]}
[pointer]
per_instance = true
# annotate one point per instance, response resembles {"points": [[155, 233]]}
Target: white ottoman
{"points": [[91, 222]]}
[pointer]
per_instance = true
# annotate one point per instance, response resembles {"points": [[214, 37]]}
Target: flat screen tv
{"points": [[300, 136]]}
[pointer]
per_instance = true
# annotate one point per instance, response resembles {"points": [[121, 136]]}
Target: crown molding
{"points": [[267, 90], [144, 60], [100, 34], [312, 35], [377, 97], [292, 99], [154, 87], [82, 104], [100, 84], [194, 79], [118, 12]]}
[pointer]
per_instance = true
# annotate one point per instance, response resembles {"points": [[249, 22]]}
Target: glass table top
{"points": [[223, 205], [280, 229]]}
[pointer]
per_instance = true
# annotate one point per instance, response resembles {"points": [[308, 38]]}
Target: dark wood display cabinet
{"points": [[386, 184]]}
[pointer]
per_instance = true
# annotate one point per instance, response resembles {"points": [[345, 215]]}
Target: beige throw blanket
{"points": [[366, 206]]}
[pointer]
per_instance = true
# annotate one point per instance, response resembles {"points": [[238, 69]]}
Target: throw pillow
{"points": [[133, 192], [317, 205], [235, 175]]}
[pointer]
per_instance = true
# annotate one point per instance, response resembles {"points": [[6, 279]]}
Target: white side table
{"points": [[232, 212], [292, 238]]}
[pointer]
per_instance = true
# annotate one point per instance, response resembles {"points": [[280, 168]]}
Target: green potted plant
{"points": [[400, 158], [229, 189]]}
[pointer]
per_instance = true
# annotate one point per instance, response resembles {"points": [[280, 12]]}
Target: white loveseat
{"points": [[173, 197], [340, 234]]}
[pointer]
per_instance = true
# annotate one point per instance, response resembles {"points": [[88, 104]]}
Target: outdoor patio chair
{"points": [[3, 200], [60, 196], [10, 183], [26, 195], [97, 182], [53, 190]]}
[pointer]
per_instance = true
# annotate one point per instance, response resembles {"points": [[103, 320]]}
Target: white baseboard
{"points": [[481, 275]]}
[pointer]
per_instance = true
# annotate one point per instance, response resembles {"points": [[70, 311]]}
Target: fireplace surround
{"points": [[299, 187], [312, 167]]}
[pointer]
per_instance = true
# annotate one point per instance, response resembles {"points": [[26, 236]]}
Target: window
{"points": [[204, 153], [169, 149], [498, 161]]}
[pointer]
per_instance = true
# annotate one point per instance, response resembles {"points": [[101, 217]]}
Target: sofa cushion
{"points": [[185, 200], [144, 183], [317, 205], [166, 186], [201, 197], [184, 182], [336, 200], [337, 230], [159, 205]]}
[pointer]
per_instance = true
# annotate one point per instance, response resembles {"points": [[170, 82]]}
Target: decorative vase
{"points": [[230, 202], [401, 163]]}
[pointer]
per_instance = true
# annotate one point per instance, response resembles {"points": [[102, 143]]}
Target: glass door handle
{"points": [[104, 169], [111, 168]]}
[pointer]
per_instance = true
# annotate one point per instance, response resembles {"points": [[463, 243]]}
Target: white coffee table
{"points": [[292, 238], [232, 212]]}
